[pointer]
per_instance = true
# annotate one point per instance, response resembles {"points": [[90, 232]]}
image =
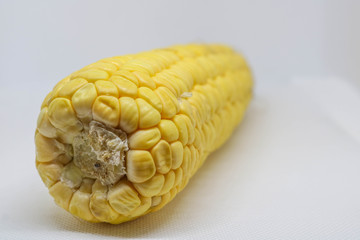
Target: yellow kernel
{"points": [[178, 176], [197, 139], [145, 80], [144, 206], [100, 208], [47, 149], [127, 75], [169, 102], [149, 116], [91, 75], [125, 86], [71, 87], [144, 139], [83, 100], [62, 115], [186, 162], [150, 187], [181, 125], [129, 117], [123, 199], [190, 129], [106, 109], [164, 200], [49, 172], [169, 182], [169, 131], [102, 65], [186, 108], [106, 88], [140, 166], [79, 206], [177, 151], [61, 194], [162, 156], [44, 126], [148, 95]]}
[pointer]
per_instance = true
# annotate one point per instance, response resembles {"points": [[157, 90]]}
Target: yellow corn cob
{"points": [[121, 137]]}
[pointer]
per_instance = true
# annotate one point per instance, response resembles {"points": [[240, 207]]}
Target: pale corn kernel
{"points": [[170, 106], [61, 194], [62, 115], [145, 80], [91, 75], [72, 175], [161, 153], [181, 125], [169, 183], [144, 139], [50, 173], [177, 152], [164, 200], [148, 95], [156, 200], [44, 126], [149, 116], [152, 186], [168, 130], [106, 88], [178, 176], [123, 199], [83, 100], [65, 158], [98, 187], [106, 109], [79, 206], [144, 206], [140, 166], [48, 149], [127, 75], [100, 208], [71, 87], [129, 117], [65, 137], [126, 87]]}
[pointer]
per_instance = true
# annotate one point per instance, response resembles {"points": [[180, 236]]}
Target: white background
{"points": [[290, 171]]}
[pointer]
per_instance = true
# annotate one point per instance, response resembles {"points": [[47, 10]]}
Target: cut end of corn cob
{"points": [[99, 152], [121, 137]]}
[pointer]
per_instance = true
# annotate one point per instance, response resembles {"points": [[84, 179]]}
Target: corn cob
{"points": [[121, 137]]}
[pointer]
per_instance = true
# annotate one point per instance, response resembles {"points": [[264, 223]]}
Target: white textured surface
{"points": [[290, 171]]}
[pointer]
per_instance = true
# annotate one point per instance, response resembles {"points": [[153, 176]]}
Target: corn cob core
{"points": [[121, 137]]}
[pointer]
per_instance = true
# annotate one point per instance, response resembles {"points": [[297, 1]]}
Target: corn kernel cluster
{"points": [[152, 118]]}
